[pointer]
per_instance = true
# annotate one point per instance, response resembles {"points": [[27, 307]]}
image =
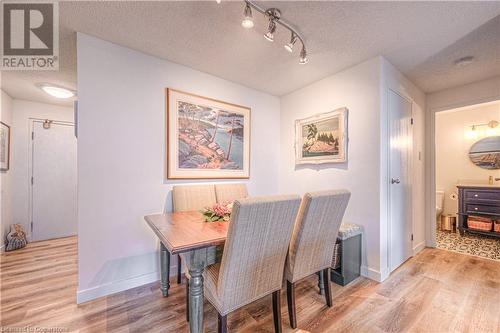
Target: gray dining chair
{"points": [[254, 255], [313, 242], [191, 198], [223, 193]]}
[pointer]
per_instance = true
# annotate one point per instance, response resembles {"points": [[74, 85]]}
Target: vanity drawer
{"points": [[474, 195], [483, 209]]}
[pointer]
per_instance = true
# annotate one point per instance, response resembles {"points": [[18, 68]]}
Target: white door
{"points": [[54, 181], [400, 222]]}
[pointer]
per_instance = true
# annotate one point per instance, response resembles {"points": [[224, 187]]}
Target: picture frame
{"points": [[4, 146], [206, 138], [322, 138]]}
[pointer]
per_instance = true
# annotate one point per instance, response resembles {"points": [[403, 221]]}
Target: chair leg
{"points": [[222, 324], [179, 264], [187, 300], [290, 297], [326, 283], [277, 311]]}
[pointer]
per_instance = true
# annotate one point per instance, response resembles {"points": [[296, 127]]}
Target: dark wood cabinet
{"points": [[478, 201]]}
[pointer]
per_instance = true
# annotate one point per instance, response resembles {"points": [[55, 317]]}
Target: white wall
{"points": [[452, 149], [394, 80], [469, 94], [5, 176], [461, 96], [22, 114], [363, 90], [121, 157], [358, 89]]}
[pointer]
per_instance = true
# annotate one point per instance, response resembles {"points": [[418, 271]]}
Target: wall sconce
{"points": [[483, 130]]}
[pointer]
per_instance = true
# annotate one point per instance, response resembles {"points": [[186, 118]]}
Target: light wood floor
{"points": [[437, 291]]}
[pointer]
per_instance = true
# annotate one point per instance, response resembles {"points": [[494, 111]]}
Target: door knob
{"points": [[395, 181]]}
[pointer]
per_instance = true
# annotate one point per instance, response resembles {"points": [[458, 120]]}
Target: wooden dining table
{"points": [[187, 232]]}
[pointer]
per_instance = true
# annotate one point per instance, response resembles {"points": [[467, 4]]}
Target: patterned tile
{"points": [[477, 245]]}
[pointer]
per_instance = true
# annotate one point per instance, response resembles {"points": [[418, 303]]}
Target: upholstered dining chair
{"points": [[230, 192], [313, 241], [254, 255], [223, 193], [191, 198]]}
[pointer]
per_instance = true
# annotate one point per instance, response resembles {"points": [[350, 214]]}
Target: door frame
{"points": [[430, 165], [410, 179], [31, 140]]}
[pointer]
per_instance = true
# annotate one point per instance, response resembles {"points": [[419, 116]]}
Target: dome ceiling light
{"points": [[464, 61], [274, 17], [56, 91]]}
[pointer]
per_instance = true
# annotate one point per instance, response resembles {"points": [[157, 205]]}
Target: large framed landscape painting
{"points": [[322, 138], [206, 138]]}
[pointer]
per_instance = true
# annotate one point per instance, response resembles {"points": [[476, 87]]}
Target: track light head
{"points": [[274, 15], [271, 28], [247, 17], [303, 56], [289, 46]]}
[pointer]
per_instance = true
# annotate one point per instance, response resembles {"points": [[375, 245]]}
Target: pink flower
{"points": [[221, 209], [218, 212]]}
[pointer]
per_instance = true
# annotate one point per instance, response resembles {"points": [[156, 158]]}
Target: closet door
{"points": [[400, 222], [53, 181]]}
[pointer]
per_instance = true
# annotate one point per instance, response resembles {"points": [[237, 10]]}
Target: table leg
{"points": [[197, 263], [164, 269]]}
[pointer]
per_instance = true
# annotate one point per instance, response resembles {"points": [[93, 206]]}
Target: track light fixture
{"points": [[248, 17], [274, 17], [289, 46]]}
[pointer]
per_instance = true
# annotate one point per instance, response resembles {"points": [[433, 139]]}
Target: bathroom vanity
{"points": [[478, 200]]}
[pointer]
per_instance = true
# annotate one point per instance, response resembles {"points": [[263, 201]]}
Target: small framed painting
{"points": [[206, 138], [322, 138], [4, 146]]}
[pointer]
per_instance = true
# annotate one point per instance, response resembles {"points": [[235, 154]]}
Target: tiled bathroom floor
{"points": [[477, 245]]}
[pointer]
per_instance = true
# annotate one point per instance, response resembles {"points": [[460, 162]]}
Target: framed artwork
{"points": [[322, 138], [206, 138], [4, 146]]}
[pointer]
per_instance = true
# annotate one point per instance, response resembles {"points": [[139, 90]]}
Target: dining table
{"points": [[188, 233]]}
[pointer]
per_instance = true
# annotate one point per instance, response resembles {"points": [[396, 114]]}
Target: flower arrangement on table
{"points": [[219, 212]]}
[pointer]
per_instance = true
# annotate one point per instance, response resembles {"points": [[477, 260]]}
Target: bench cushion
{"points": [[348, 230]]}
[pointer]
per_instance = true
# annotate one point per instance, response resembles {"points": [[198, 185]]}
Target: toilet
{"points": [[439, 203]]}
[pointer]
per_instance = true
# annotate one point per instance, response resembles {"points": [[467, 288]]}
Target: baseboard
{"points": [[370, 273], [419, 247], [115, 287], [120, 285], [2, 248]]}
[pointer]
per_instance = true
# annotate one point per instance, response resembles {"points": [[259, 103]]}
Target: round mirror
{"points": [[486, 153]]}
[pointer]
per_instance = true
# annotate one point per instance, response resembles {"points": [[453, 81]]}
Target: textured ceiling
{"points": [[439, 71], [21, 84], [422, 39]]}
